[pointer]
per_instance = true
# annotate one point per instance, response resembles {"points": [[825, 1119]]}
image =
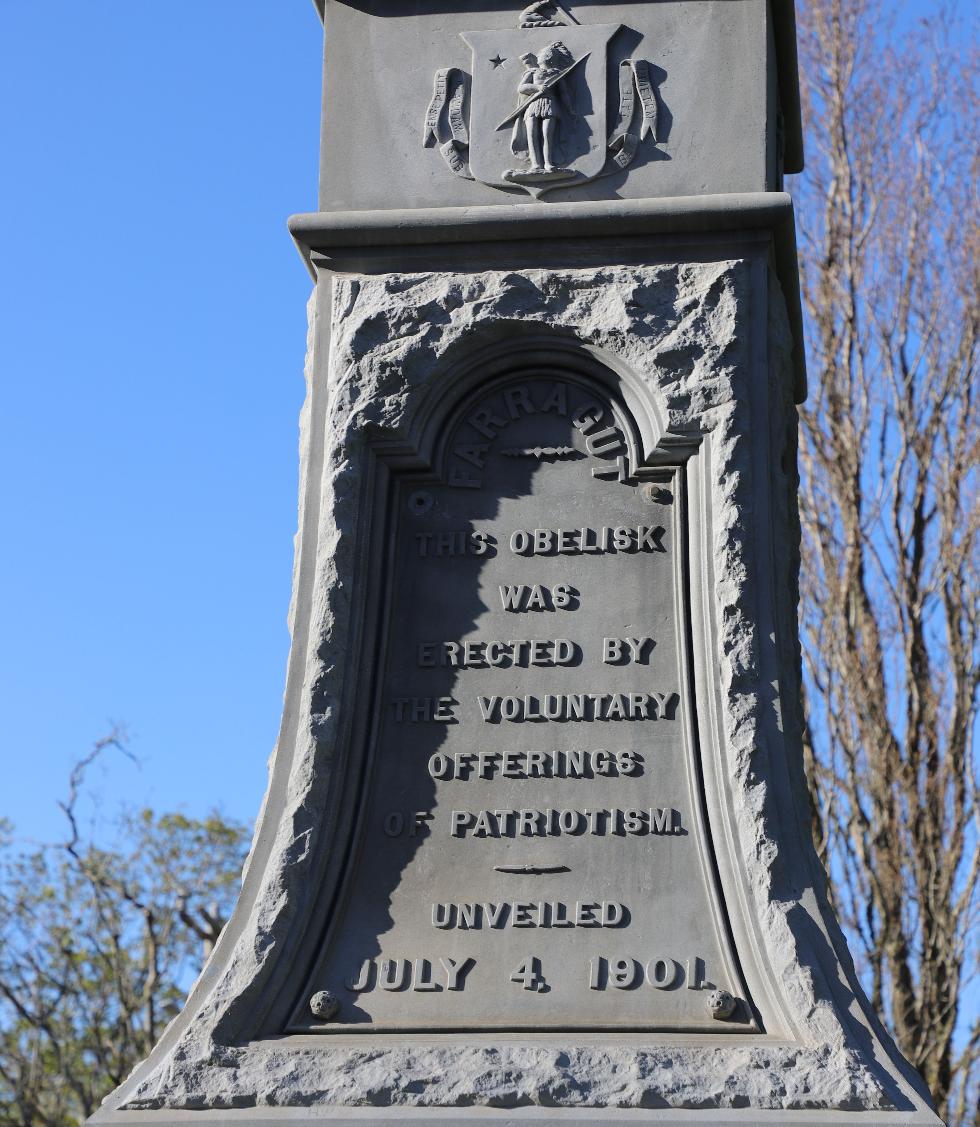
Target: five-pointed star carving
{"points": [[497, 61]]}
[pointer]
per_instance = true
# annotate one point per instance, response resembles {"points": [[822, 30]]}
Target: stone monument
{"points": [[536, 845]]}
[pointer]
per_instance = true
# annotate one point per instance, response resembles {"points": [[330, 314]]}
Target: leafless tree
{"points": [[890, 445]]}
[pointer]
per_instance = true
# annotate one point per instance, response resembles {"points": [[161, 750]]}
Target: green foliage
{"points": [[98, 945]]}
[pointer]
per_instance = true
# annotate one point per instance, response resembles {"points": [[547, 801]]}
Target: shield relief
{"points": [[497, 70]]}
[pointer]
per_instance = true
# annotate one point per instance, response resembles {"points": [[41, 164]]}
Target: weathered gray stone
{"points": [[513, 1076], [678, 338], [535, 846], [722, 72]]}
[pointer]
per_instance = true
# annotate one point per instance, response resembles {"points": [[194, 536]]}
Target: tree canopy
{"points": [[98, 946]]}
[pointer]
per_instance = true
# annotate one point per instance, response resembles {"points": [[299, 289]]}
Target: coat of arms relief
{"points": [[532, 113]]}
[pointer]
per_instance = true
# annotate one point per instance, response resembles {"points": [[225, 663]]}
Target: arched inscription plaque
{"points": [[530, 850]]}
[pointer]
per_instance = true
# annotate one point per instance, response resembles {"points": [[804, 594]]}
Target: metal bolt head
{"points": [[720, 1004], [325, 1005]]}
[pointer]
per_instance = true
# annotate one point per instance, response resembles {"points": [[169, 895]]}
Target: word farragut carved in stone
{"points": [[547, 97]]}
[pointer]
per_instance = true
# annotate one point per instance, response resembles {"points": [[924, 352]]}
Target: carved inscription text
{"points": [[531, 850]]}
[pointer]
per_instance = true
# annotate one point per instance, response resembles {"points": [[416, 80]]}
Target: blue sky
{"points": [[152, 329]]}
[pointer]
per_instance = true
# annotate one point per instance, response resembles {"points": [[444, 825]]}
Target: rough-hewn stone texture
{"points": [[681, 331]]}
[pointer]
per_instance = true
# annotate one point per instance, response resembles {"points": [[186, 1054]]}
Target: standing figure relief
{"points": [[546, 104]]}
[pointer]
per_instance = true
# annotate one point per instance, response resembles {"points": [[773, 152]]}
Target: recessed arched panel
{"points": [[528, 848]]}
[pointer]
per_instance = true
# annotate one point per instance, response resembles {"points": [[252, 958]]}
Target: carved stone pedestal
{"points": [[536, 842]]}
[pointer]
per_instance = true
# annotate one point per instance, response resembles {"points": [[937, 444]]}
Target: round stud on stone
{"points": [[720, 1004], [420, 502], [657, 494], [325, 1005]]}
